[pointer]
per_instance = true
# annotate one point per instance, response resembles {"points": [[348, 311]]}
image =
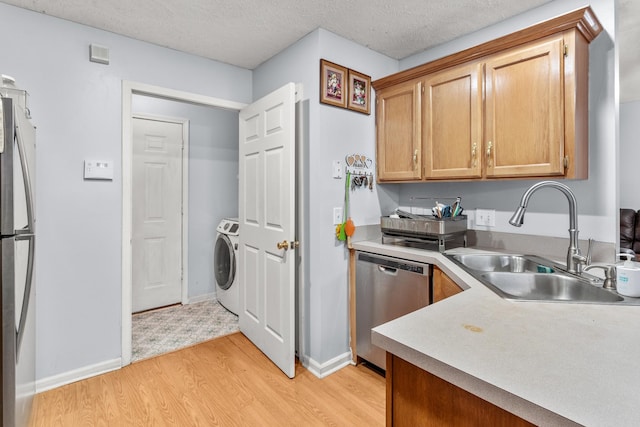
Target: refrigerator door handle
{"points": [[1, 128], [27, 290], [27, 181]]}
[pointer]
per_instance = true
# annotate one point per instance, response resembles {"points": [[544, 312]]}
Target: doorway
{"points": [[129, 90]]}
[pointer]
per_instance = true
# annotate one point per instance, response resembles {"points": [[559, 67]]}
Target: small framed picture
{"points": [[359, 92], [333, 84]]}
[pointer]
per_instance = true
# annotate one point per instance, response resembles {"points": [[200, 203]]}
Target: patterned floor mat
{"points": [[170, 328]]}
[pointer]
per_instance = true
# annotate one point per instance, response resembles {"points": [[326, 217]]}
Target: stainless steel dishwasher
{"points": [[386, 288]]}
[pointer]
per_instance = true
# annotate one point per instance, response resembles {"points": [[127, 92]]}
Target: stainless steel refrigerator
{"points": [[17, 250]]}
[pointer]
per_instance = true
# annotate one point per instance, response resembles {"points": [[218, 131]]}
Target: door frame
{"points": [[184, 227], [129, 88]]}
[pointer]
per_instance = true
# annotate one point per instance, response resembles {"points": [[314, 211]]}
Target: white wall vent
{"points": [[99, 54]]}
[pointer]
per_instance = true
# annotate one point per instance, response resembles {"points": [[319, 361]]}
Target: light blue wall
{"points": [[340, 133], [77, 107], [213, 179], [630, 154]]}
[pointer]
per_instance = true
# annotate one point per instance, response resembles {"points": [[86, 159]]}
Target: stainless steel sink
{"points": [[498, 262], [534, 278], [547, 287]]}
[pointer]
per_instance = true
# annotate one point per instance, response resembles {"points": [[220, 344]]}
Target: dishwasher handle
{"points": [[388, 270]]}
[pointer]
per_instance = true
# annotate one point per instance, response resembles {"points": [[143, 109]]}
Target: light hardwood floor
{"points": [[223, 382]]}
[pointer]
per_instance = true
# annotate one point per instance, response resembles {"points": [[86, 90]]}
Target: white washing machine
{"points": [[225, 264]]}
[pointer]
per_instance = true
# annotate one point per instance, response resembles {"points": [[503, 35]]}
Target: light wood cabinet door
{"points": [[398, 121], [524, 114], [452, 123], [443, 286], [419, 398]]}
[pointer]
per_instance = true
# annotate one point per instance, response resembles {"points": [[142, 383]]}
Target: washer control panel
{"points": [[229, 226]]}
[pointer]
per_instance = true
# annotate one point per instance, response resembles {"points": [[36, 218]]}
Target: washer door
{"points": [[224, 262]]}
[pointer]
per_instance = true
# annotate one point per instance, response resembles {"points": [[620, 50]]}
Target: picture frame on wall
{"points": [[333, 84], [359, 92]]}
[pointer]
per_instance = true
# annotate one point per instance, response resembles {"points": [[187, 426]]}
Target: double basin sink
{"points": [[532, 278]]}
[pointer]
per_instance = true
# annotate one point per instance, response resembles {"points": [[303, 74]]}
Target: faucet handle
{"points": [[578, 262], [609, 275], [589, 248]]}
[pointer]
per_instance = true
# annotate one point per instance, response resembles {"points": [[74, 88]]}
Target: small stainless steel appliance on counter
{"points": [[425, 229], [386, 288]]}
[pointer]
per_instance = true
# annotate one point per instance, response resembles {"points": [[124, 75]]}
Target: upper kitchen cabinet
{"points": [[514, 107], [398, 131]]}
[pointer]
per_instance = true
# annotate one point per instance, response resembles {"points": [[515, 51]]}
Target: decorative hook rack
{"points": [[360, 167]]}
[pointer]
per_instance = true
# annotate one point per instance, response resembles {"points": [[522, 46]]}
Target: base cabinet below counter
{"points": [[443, 285], [418, 398]]}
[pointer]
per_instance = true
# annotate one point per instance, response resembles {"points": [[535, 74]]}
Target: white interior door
{"points": [[267, 226], [157, 214]]}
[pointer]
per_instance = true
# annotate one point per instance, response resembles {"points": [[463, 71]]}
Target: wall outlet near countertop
{"points": [[486, 217]]}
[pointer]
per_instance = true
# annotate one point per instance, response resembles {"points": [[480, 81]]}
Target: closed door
{"points": [[157, 214], [267, 219]]}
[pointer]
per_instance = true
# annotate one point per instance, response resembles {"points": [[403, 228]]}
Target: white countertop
{"points": [[549, 363]]}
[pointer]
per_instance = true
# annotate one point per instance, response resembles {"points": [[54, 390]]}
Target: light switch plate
{"points": [[337, 216], [98, 169], [337, 169]]}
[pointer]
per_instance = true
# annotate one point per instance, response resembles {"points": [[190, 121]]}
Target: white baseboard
{"points": [[321, 370], [202, 298], [65, 378]]}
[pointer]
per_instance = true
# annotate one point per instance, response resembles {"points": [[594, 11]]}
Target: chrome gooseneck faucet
{"points": [[574, 259]]}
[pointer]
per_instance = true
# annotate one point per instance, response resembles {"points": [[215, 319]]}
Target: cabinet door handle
{"points": [[489, 147], [415, 159], [474, 153]]}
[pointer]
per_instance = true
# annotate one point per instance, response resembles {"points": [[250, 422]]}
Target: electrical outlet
{"points": [[486, 217], [337, 216]]}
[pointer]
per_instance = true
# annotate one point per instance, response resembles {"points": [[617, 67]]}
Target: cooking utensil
{"points": [[349, 226], [455, 207], [405, 214]]}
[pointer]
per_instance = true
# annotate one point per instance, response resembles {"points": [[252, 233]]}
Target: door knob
{"points": [[283, 245]]}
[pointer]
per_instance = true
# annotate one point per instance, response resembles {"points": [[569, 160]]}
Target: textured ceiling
{"points": [[248, 32]]}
